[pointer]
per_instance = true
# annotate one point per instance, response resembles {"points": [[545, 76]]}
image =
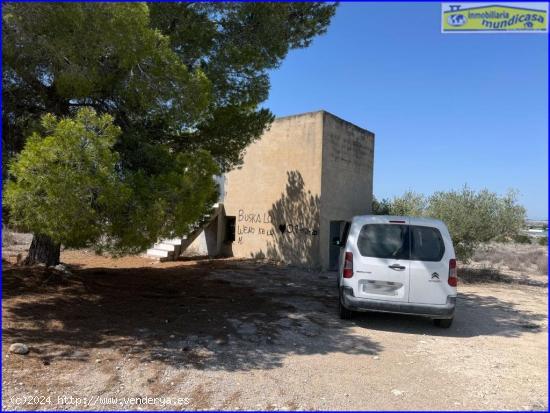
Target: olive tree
{"points": [[473, 217]]}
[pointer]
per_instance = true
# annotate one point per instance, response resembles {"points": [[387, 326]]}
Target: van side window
{"points": [[426, 244], [384, 241]]}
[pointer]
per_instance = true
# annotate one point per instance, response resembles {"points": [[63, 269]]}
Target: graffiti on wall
{"points": [[254, 217], [297, 229], [260, 224]]}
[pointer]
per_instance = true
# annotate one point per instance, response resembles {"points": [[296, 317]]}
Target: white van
{"points": [[399, 265]]}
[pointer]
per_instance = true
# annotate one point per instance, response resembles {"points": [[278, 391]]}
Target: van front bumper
{"points": [[353, 303]]}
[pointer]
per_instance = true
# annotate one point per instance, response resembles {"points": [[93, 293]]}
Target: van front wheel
{"points": [[345, 314], [443, 322]]}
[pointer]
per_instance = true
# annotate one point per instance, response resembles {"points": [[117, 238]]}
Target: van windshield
{"points": [[384, 241]]}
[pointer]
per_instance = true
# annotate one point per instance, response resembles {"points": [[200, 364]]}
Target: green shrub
{"points": [[409, 204], [381, 207], [543, 241], [473, 217], [64, 181], [67, 184], [522, 239]]}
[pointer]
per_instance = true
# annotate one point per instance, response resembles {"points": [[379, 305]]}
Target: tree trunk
{"points": [[43, 251]]}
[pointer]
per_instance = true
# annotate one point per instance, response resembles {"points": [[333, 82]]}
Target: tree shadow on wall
{"points": [[295, 220]]}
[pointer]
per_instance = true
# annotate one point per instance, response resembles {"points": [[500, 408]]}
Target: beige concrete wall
{"points": [[275, 196], [304, 172], [348, 156]]}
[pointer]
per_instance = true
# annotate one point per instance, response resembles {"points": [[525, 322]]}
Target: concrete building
{"points": [[298, 185]]}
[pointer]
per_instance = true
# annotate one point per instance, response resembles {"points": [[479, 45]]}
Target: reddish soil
{"points": [[100, 307]]}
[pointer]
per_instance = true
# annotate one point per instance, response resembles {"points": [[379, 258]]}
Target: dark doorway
{"points": [[229, 229], [337, 232]]}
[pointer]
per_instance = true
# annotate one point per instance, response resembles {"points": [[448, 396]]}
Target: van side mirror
{"points": [[336, 242]]}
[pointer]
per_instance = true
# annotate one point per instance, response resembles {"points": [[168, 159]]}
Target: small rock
{"points": [[396, 392], [117, 367], [62, 268], [98, 360], [172, 336], [376, 357], [19, 348]]}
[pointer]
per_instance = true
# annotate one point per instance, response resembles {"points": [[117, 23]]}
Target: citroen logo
{"points": [[435, 276]]}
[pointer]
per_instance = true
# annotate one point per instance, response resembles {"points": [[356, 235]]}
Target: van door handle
{"points": [[396, 267]]}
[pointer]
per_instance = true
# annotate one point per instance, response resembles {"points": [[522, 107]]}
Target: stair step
{"points": [[169, 249], [153, 252], [166, 247], [173, 241]]}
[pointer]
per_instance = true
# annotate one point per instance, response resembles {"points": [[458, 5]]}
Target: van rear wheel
{"points": [[345, 314], [443, 322]]}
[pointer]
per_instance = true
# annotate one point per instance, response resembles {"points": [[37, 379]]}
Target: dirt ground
{"points": [[241, 334]]}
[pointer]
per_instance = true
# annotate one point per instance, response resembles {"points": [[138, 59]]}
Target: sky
{"points": [[447, 109]]}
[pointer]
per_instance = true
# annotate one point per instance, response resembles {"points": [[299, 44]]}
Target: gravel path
{"points": [[230, 334]]}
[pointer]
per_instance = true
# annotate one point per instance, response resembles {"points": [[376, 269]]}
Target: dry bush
{"points": [[542, 264], [469, 275], [487, 274], [8, 238], [515, 263], [513, 256]]}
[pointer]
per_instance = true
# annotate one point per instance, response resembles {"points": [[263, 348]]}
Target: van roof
{"points": [[410, 219]]}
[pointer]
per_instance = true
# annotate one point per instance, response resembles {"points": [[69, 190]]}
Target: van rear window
{"points": [[426, 244], [401, 242], [384, 241]]}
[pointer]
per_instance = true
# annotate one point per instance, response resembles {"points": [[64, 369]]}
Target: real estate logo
{"points": [[494, 18]]}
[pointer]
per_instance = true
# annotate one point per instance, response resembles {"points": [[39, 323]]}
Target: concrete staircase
{"points": [[170, 249]]}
